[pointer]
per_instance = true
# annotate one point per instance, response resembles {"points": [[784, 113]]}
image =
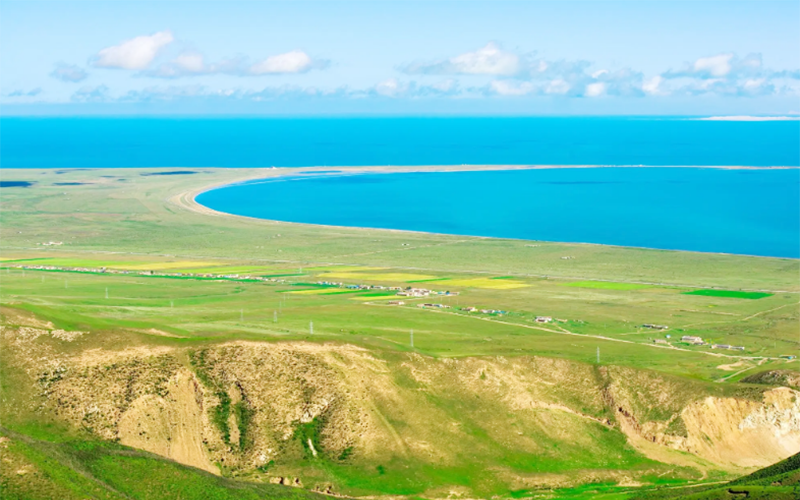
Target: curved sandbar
{"points": [[187, 199], [651, 207]]}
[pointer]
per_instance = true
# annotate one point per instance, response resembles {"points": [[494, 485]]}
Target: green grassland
{"points": [[122, 220]]}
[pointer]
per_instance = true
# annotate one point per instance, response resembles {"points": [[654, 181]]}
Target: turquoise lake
{"points": [[303, 142], [735, 211], [753, 212]]}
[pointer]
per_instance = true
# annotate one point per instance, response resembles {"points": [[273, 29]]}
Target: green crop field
{"points": [[730, 293], [136, 266]]}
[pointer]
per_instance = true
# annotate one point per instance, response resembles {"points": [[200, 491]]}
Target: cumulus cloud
{"points": [[137, 53], [518, 74], [25, 93], [595, 89], [190, 92], [489, 60], [171, 93], [69, 73], [511, 87], [145, 55], [193, 63], [652, 86], [726, 65], [295, 61], [510, 75], [390, 88], [91, 94], [525, 74], [725, 74]]}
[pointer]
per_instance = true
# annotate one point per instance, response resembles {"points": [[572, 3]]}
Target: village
{"points": [[408, 292], [694, 340]]}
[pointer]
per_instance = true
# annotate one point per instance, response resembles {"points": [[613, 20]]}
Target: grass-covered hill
{"points": [[780, 481], [83, 468]]}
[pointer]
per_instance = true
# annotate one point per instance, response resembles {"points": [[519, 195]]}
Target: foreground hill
{"points": [[780, 481], [36, 469], [339, 418]]}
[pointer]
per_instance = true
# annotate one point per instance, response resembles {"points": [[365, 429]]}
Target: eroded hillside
{"points": [[343, 419]]}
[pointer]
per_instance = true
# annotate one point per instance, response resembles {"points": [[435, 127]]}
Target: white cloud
{"points": [[136, 53], [201, 92], [91, 94], [726, 65], [653, 86], [716, 66], [488, 60], [557, 86], [595, 89], [445, 86], [511, 88], [394, 88], [190, 61], [390, 88], [25, 93], [193, 64], [69, 73], [573, 81], [295, 61]]}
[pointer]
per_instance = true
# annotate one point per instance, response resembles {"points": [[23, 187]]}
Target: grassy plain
{"points": [[124, 219]]}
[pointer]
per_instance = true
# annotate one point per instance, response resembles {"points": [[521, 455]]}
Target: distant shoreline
{"points": [[187, 199]]}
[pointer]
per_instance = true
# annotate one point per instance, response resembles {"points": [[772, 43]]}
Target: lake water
{"points": [[256, 142], [737, 211], [755, 212]]}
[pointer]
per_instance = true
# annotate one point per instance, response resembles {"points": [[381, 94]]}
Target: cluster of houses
{"points": [[694, 340], [655, 327], [483, 311], [469, 309], [435, 306], [726, 346], [420, 292]]}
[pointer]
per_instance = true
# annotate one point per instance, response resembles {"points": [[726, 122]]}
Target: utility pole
{"points": [[241, 314], [598, 355], [412, 339], [311, 328], [171, 303], [274, 316], [106, 292]]}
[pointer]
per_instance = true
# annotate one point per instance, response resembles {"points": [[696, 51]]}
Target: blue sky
{"points": [[653, 58]]}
